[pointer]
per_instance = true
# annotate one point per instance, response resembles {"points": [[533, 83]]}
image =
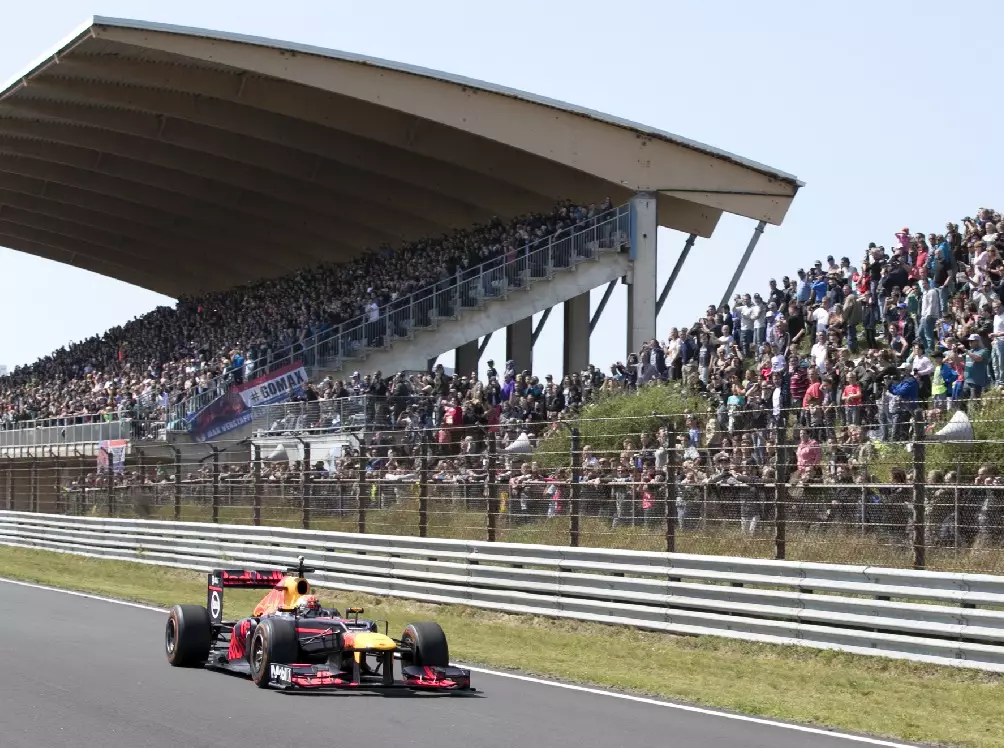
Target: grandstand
{"points": [[265, 168]]}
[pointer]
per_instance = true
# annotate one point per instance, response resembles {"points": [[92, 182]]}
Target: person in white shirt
{"points": [[930, 310], [759, 321], [819, 352], [747, 314], [821, 315]]}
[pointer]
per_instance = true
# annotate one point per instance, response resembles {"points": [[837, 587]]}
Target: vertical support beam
{"points": [[467, 357], [519, 344], [757, 233], [641, 291], [577, 327], [671, 281]]}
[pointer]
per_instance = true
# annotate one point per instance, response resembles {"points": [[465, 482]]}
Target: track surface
{"points": [[83, 673]]}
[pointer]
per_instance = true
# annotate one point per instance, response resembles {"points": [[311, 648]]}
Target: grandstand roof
{"points": [[180, 159]]}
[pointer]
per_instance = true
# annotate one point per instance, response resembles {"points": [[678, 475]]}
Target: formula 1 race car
{"points": [[291, 642]]}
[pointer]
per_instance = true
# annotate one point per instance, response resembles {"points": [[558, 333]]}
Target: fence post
{"points": [[256, 489], [491, 486], [573, 490], [670, 504], [10, 484], [305, 486], [781, 493], [919, 487], [60, 503], [216, 483], [423, 486], [363, 496], [33, 488], [177, 484]]}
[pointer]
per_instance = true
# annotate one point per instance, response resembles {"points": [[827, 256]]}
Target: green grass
{"points": [[606, 423], [901, 700]]}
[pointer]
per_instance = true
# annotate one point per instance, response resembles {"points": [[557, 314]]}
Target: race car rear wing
{"points": [[249, 579]]}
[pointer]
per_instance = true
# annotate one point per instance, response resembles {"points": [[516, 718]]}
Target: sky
{"points": [[863, 101]]}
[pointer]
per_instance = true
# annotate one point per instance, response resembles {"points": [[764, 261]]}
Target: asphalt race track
{"points": [[84, 673]]}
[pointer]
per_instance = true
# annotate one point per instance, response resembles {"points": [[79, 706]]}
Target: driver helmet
{"points": [[309, 605]]}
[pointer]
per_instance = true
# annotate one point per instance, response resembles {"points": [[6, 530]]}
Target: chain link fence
{"points": [[768, 493]]}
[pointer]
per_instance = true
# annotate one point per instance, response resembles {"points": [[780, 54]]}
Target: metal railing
{"points": [[906, 614], [320, 416], [468, 289], [77, 429]]}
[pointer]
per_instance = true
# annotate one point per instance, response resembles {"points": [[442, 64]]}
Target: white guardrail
{"points": [[916, 615]]}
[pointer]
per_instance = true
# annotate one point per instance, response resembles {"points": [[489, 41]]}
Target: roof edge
{"points": [[71, 40], [422, 72]]}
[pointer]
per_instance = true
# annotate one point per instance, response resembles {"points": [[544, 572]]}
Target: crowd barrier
{"points": [[900, 613]]}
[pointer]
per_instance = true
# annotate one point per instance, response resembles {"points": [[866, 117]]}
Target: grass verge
{"points": [[902, 700]]}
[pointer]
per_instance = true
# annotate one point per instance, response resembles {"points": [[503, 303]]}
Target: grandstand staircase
{"points": [[489, 301]]}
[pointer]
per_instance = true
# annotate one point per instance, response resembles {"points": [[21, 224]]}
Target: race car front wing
{"points": [[414, 677]]}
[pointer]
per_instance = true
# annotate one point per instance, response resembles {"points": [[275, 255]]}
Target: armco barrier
{"points": [[916, 615]]}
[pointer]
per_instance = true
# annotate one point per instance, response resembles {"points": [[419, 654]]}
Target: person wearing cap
{"points": [[976, 376], [802, 289]]}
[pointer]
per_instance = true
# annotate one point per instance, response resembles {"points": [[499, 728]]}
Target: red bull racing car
{"points": [[292, 642]]}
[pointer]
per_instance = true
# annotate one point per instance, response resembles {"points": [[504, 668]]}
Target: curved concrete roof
{"points": [[180, 159]]}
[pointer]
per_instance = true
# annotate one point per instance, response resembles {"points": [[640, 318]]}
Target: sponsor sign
{"points": [[215, 606], [113, 451], [233, 410]]}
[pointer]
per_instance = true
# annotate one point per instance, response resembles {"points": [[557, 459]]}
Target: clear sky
{"points": [[866, 102]]}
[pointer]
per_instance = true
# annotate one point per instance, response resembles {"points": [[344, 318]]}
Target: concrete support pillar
{"points": [[519, 344], [576, 352], [467, 358], [642, 294]]}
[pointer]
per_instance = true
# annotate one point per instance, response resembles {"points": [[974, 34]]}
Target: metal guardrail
{"points": [[468, 289], [53, 431], [906, 614]]}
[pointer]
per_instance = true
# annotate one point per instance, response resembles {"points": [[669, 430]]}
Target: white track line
{"points": [[552, 683]]}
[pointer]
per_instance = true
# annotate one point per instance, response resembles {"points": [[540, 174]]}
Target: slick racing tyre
{"points": [[188, 635], [272, 643], [428, 643]]}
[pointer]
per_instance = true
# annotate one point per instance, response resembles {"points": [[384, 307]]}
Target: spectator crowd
{"points": [[160, 359], [836, 358]]}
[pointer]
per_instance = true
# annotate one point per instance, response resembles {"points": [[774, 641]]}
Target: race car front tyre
{"points": [[188, 635], [272, 643], [428, 644]]}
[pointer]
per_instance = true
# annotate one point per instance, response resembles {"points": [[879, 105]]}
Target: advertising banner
{"points": [[115, 451], [233, 410]]}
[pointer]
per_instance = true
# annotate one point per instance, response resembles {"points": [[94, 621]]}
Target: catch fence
{"points": [[631, 484]]}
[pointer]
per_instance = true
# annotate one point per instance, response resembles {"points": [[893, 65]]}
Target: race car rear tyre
{"points": [[428, 643], [188, 635], [273, 643]]}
